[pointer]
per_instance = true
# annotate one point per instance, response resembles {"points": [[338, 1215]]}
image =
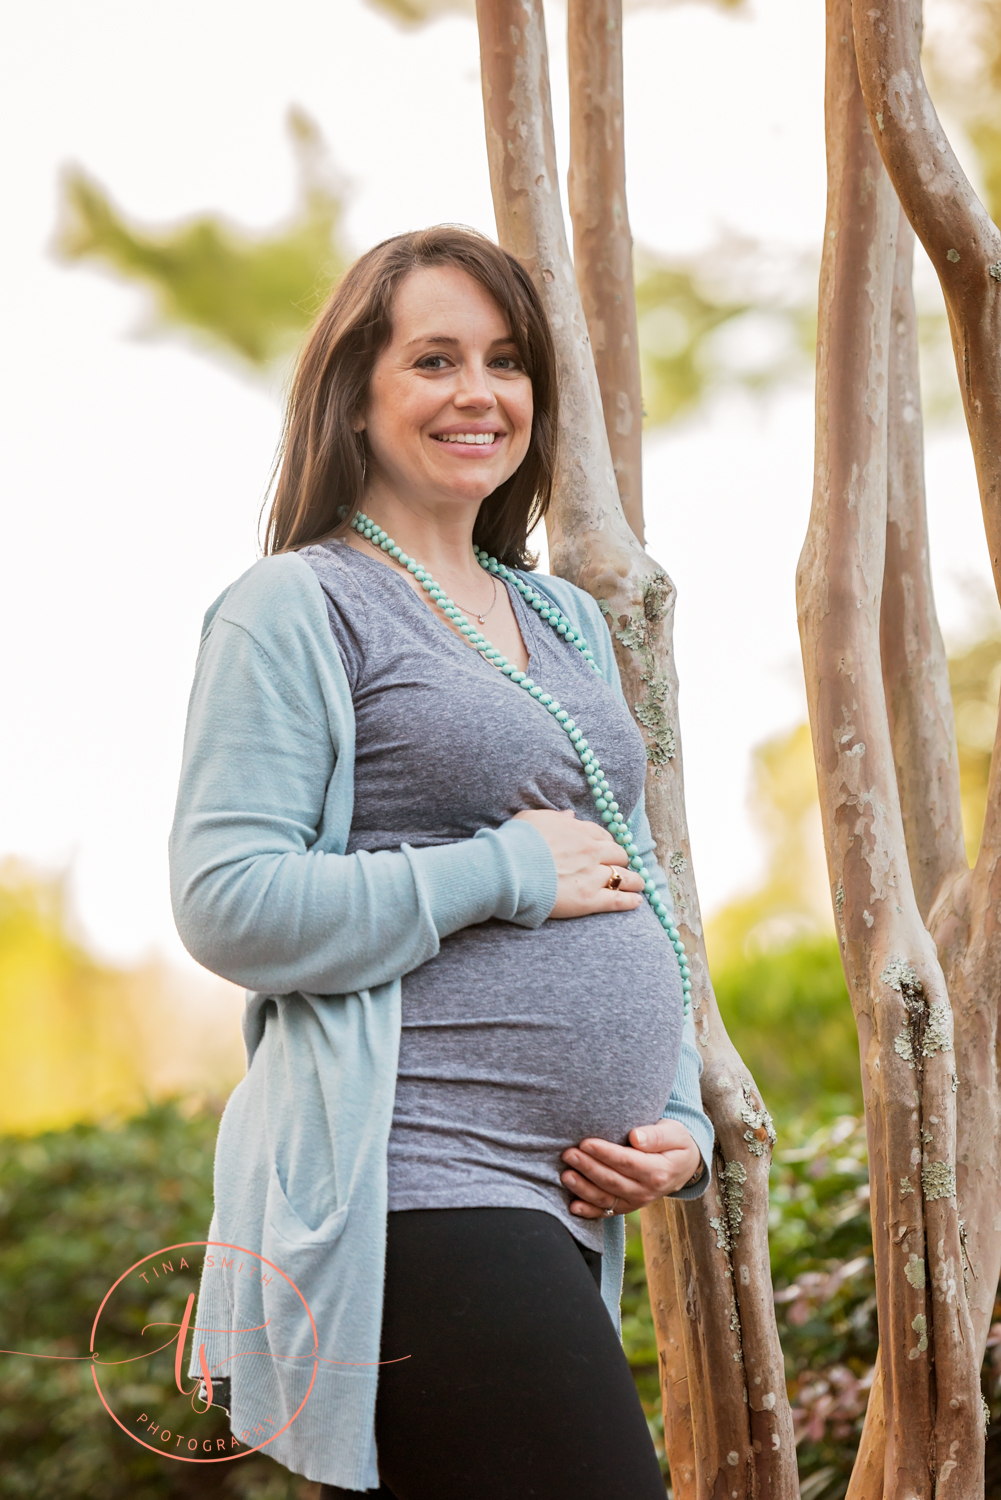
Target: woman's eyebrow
{"points": [[433, 338], [451, 341]]}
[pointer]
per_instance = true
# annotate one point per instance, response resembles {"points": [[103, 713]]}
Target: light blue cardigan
{"points": [[264, 895]]}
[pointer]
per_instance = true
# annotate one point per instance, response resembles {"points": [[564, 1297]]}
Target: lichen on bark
{"points": [[760, 1133], [727, 1227], [938, 1180], [637, 632]]}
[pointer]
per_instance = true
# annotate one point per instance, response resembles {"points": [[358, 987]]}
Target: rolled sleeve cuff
{"points": [[505, 872], [690, 1113]]}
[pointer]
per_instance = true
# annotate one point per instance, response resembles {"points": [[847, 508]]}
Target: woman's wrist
{"points": [[697, 1175]]}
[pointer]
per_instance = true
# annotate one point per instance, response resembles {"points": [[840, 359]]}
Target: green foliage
{"points": [[964, 71], [790, 1018], [638, 1337], [708, 323], [249, 294], [825, 1293], [85, 1039], [411, 13], [732, 318], [77, 1208]]}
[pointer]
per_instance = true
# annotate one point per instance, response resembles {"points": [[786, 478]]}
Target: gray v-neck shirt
{"points": [[515, 1044]]}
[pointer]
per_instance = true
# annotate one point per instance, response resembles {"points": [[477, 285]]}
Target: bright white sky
{"points": [[133, 469]]}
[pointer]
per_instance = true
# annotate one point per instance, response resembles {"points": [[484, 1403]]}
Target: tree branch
{"points": [[744, 1445], [955, 229], [965, 248], [866, 1482], [915, 670], [934, 1431], [667, 1307], [602, 243]]}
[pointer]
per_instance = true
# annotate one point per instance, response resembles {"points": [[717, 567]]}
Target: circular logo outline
{"points": [[206, 1244]]}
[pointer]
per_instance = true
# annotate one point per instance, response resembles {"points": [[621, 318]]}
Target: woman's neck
{"points": [[439, 536]]}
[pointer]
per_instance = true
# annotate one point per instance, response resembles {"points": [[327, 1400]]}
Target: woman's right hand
{"points": [[585, 855]]}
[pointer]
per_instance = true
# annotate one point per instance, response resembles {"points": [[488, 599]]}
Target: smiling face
{"points": [[449, 411]]}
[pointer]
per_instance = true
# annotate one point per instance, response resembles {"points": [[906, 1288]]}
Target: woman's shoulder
{"points": [[274, 597]]}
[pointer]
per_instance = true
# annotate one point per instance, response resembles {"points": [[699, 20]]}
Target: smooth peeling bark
{"points": [[602, 242], [866, 1481], [965, 925], [915, 670], [963, 244], [932, 1445], [965, 248], [667, 1300], [743, 1427]]}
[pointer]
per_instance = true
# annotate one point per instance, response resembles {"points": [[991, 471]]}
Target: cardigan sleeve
{"points": [[256, 899]]}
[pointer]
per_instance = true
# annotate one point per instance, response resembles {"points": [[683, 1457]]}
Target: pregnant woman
{"points": [[411, 823]]}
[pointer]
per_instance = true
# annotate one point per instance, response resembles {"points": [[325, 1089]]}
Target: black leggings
{"points": [[517, 1386]]}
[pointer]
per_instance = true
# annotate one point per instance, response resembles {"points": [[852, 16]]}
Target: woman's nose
{"points": [[474, 388]]}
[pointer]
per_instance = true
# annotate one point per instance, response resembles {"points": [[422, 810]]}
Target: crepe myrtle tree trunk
{"points": [[965, 911], [729, 1429], [919, 931], [602, 242]]}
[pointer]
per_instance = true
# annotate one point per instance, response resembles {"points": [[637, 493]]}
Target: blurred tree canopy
{"points": [[247, 294], [736, 316], [420, 12], [84, 1039], [70, 1036]]}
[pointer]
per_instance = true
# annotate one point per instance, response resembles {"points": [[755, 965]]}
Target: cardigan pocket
{"points": [[290, 1228]]}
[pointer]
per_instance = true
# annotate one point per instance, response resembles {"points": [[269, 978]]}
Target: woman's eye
{"points": [[432, 362], [507, 362]]}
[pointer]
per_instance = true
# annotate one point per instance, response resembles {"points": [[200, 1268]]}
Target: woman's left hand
{"points": [[659, 1160]]}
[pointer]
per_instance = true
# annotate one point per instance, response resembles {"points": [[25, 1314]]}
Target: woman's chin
{"points": [[469, 489]]}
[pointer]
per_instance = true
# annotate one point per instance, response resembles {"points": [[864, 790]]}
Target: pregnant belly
{"points": [[518, 1040]]}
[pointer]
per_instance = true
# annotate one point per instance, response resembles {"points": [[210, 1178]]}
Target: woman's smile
{"points": [[471, 441]]}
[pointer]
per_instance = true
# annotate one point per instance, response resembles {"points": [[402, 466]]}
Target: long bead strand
{"points": [[607, 808]]}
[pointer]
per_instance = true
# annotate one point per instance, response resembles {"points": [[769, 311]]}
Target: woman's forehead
{"points": [[442, 303]]}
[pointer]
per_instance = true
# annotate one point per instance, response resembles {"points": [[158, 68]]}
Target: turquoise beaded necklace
{"points": [[605, 803]]}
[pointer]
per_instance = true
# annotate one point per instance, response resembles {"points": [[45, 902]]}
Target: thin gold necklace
{"points": [[481, 618], [469, 611]]}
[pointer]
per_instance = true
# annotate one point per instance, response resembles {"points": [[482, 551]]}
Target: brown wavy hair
{"points": [[321, 459]]}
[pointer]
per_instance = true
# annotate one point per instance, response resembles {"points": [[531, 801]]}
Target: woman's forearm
{"points": [[257, 900]]}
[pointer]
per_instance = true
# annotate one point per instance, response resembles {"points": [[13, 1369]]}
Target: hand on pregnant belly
{"points": [[660, 1159], [586, 856]]}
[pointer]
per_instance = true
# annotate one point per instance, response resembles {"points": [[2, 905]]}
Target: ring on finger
{"points": [[614, 880], [610, 1211]]}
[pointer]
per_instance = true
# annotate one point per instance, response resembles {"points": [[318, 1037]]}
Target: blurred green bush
{"points": [[788, 1015], [77, 1207]]}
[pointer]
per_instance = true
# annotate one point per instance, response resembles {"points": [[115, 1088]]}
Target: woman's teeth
{"points": [[483, 438]]}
